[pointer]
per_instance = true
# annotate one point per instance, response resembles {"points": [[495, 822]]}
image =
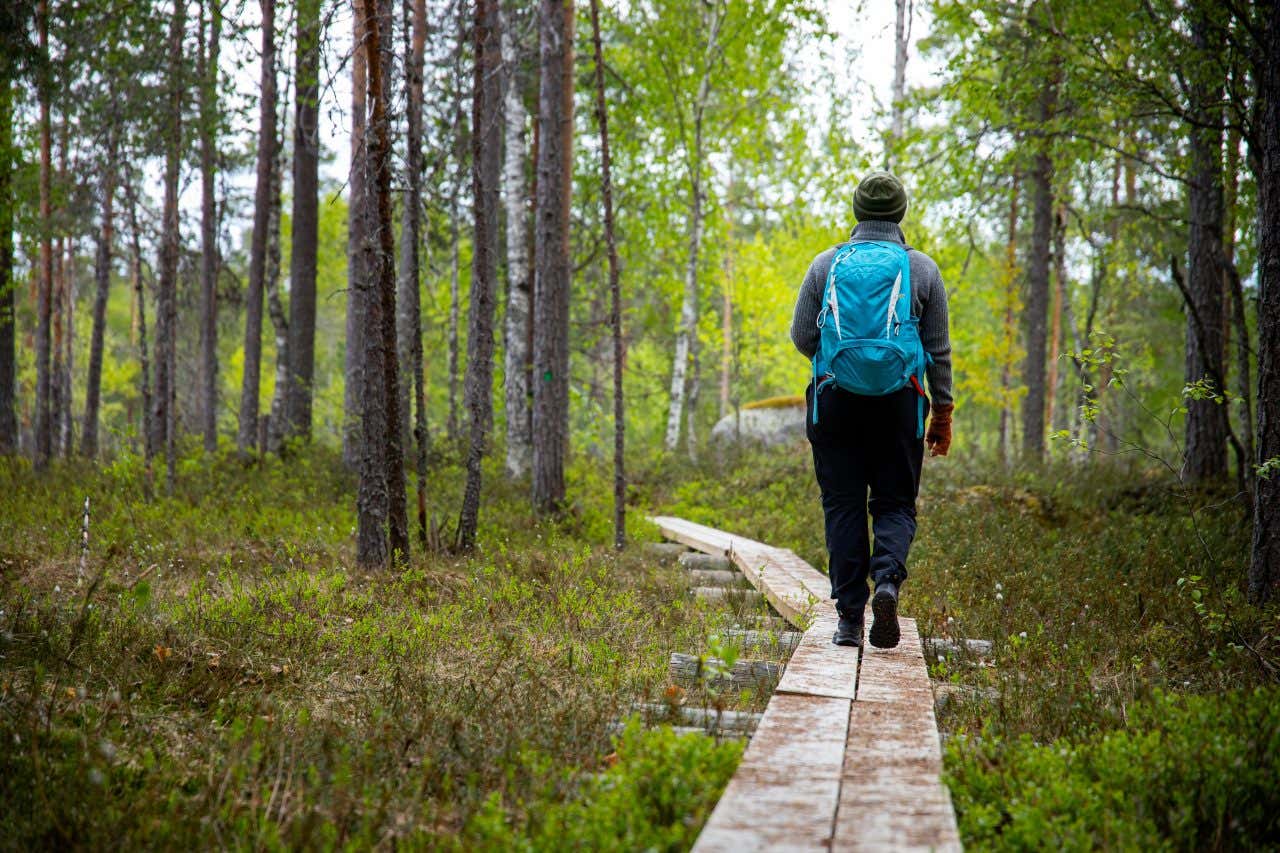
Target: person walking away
{"points": [[872, 318]]}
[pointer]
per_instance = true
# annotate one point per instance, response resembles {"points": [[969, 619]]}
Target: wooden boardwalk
{"points": [[846, 756]]}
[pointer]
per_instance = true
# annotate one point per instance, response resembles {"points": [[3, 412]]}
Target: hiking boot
{"points": [[849, 631], [884, 607]]}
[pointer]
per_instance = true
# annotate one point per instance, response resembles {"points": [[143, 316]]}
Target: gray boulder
{"points": [[770, 425]]}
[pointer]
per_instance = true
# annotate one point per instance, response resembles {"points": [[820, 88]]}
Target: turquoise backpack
{"points": [[868, 341]]}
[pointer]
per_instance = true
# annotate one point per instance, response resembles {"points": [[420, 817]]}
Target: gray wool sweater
{"points": [[928, 302]]}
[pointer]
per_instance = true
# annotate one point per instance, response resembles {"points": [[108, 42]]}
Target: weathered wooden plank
{"points": [[697, 536], [737, 597], [696, 560], [940, 646], [818, 667], [788, 596], [707, 718], [786, 789], [743, 674], [817, 584], [715, 577], [783, 641], [891, 796], [665, 552]]}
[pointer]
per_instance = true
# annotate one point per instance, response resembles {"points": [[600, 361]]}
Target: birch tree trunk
{"points": [[486, 148], [277, 420], [209, 260], [552, 263], [249, 388], [304, 228], [516, 195]]}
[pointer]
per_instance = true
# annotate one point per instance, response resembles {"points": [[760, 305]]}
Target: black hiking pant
{"points": [[860, 444]]}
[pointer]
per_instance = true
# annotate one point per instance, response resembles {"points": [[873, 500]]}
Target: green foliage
{"points": [[655, 796], [1186, 773]]}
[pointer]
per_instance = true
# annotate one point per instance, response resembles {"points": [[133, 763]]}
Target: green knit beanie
{"points": [[880, 196]]}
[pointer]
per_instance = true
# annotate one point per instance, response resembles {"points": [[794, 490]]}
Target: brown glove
{"points": [[938, 436]]}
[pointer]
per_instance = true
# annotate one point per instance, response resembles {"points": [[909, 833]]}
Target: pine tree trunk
{"points": [[209, 260], [57, 312], [144, 361], [516, 195], [552, 262], [486, 148], [1035, 314], [1264, 144], [1055, 316], [304, 233], [615, 296], [44, 297], [167, 291], [411, 266], [1206, 424], [1009, 334], [372, 499], [277, 420], [102, 281], [408, 301], [249, 388], [357, 201], [1239, 319], [384, 454], [901, 39], [8, 287]]}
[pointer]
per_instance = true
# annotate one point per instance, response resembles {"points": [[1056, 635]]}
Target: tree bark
{"points": [[1264, 144], [408, 305], [383, 453], [167, 295], [249, 387], [44, 292], [1010, 299], [8, 288], [687, 331], [209, 259], [353, 386], [486, 148], [615, 296], [1055, 316], [144, 361], [277, 420], [901, 39], [1206, 423], [304, 233], [1037, 306], [102, 281], [552, 263], [516, 195], [410, 334]]}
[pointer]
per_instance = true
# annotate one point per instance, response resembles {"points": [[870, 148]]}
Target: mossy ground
{"points": [[223, 676]]}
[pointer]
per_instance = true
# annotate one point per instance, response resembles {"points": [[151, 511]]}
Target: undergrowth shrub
{"points": [[1185, 773]]}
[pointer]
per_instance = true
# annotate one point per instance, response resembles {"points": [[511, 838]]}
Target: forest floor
{"points": [[220, 675]]}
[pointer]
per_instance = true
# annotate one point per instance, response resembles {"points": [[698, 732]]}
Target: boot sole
{"points": [[884, 630]]}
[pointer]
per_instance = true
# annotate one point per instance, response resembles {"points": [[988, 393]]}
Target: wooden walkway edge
{"points": [[847, 755]]}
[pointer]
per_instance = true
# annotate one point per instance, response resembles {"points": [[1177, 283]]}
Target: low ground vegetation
{"points": [[220, 674]]}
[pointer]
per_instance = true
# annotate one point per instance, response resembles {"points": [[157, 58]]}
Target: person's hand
{"points": [[938, 436]]}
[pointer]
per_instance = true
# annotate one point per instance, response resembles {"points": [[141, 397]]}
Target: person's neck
{"points": [[878, 229]]}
